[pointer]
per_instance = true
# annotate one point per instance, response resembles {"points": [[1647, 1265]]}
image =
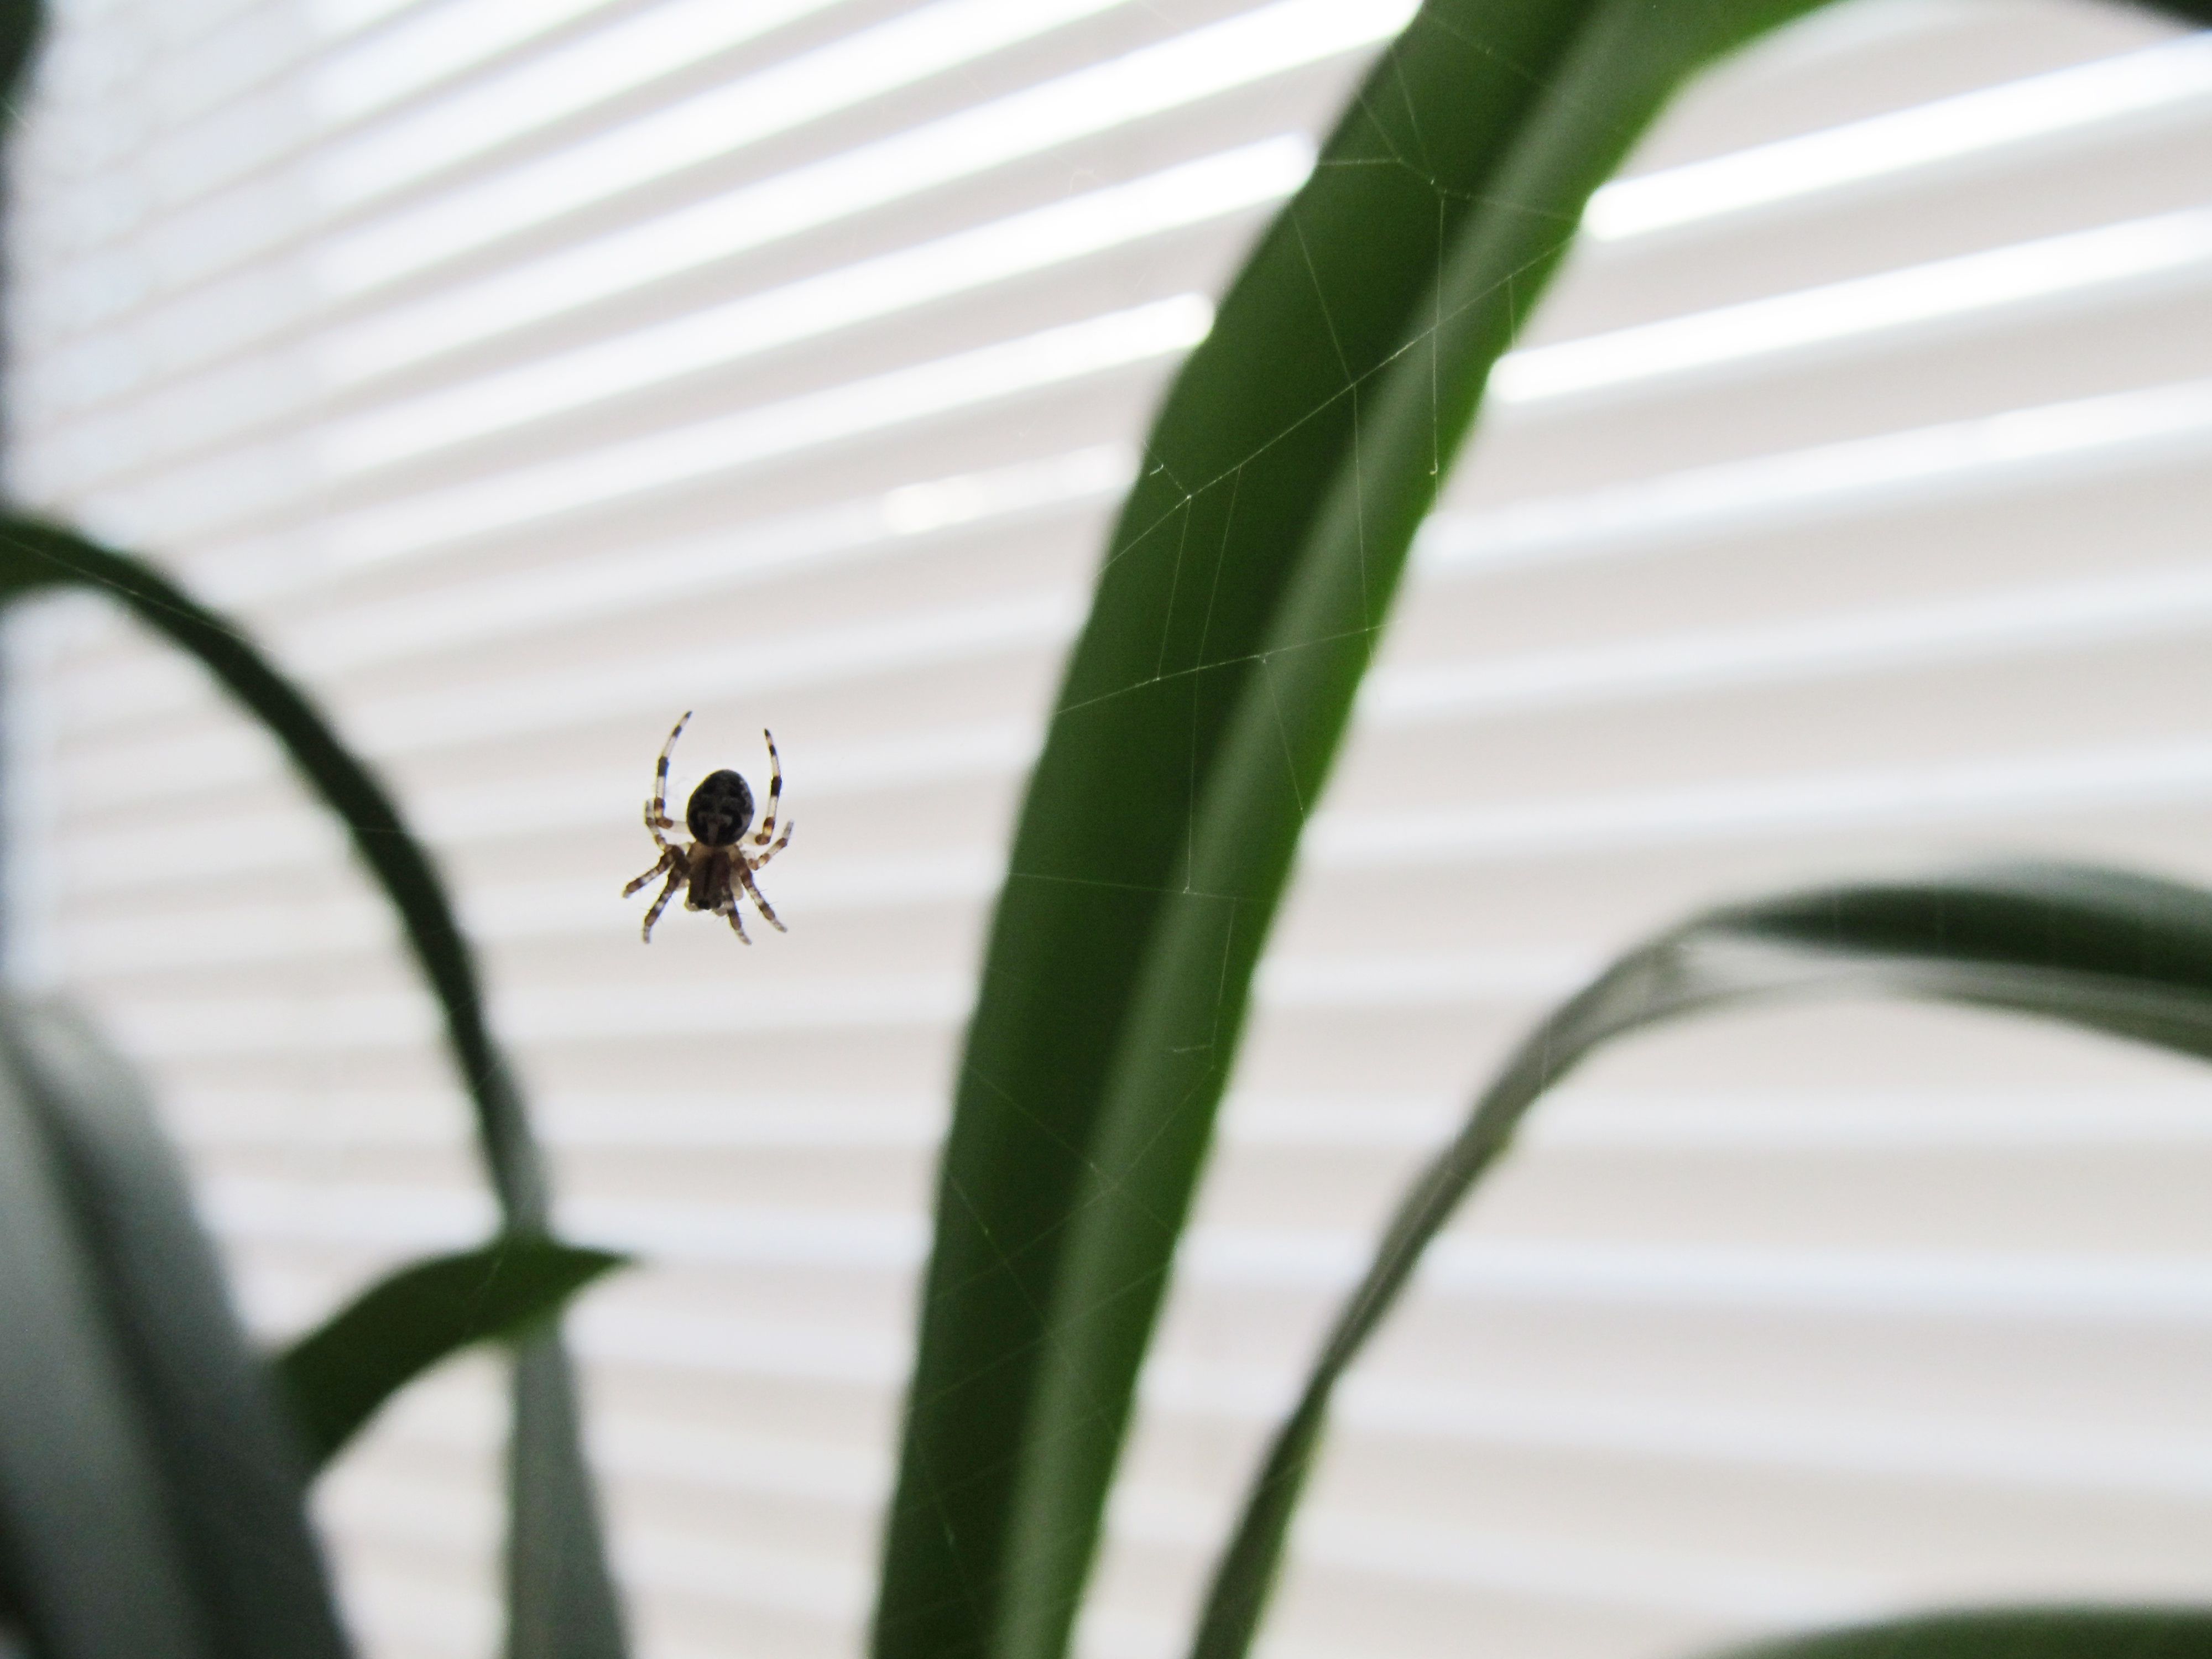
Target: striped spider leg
{"points": [[673, 859]]}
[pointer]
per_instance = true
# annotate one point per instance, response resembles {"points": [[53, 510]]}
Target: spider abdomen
{"points": [[710, 880], [720, 809]]}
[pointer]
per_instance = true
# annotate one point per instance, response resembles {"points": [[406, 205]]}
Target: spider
{"points": [[719, 812]]}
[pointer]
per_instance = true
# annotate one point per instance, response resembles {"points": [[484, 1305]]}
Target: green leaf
{"points": [[2127, 955], [229, 1468], [95, 1561], [1240, 602], [560, 1597], [337, 1376], [2008, 1633], [21, 24], [35, 556]]}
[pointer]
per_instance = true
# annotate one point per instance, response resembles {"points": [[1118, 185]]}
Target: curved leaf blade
{"points": [[560, 1592], [340, 1373], [2130, 955], [2089, 1632], [95, 1561], [23, 22], [36, 556], [231, 1470], [1240, 600]]}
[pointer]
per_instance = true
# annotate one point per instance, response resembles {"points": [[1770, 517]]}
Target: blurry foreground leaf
{"points": [[171, 1426], [2007, 1633], [36, 557], [339, 1374], [561, 1596], [2121, 954], [97, 1563]]}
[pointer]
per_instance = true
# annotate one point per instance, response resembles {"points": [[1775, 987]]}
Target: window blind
{"points": [[527, 373]]}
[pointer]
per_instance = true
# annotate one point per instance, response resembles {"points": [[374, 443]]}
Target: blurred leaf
{"points": [[562, 1597], [229, 1465], [95, 1559], [337, 1376], [2127, 955], [1244, 589], [2008, 1633], [23, 22], [36, 556]]}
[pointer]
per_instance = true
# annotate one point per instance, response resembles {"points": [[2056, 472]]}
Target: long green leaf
{"points": [[231, 1469], [561, 1596], [21, 23], [95, 1561], [1243, 594], [2122, 954], [339, 1374], [2087, 1633], [36, 557]]}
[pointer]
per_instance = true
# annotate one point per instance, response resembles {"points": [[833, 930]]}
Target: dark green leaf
{"points": [[337, 1376], [561, 1601], [95, 1558], [1243, 591], [21, 24], [231, 1468], [2008, 1633], [36, 556], [2118, 953]]}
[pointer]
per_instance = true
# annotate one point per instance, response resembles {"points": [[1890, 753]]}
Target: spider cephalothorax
{"points": [[712, 866]]}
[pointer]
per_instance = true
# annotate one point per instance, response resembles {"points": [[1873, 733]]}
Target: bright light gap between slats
{"points": [[1993, 117], [514, 99], [2152, 253], [722, 444], [1290, 35], [2017, 113], [715, 124], [1217, 59], [1098, 221], [2156, 252], [1180, 198]]}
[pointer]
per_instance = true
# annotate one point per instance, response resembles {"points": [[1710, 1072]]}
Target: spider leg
{"points": [[745, 874], [660, 904], [656, 810], [729, 908], [647, 877], [774, 791], [654, 823], [757, 859]]}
